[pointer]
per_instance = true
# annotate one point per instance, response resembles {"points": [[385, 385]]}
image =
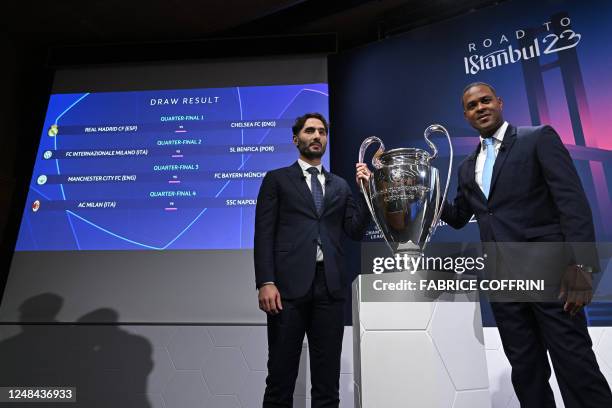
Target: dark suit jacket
{"points": [[535, 195], [287, 227]]}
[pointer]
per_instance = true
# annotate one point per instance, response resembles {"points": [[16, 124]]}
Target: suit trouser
{"points": [[321, 317], [527, 331]]}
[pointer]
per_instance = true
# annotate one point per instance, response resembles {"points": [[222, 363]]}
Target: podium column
{"points": [[417, 353]]}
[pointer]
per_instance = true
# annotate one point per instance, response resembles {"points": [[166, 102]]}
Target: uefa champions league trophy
{"points": [[404, 193], [406, 201]]}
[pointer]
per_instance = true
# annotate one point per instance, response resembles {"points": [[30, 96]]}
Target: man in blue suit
{"points": [[521, 185], [303, 213]]}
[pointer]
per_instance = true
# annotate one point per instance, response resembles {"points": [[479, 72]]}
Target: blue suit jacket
{"points": [[535, 195], [287, 227]]}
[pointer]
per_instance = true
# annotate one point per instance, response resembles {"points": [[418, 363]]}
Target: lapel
{"points": [[299, 180], [330, 190], [502, 155], [471, 172]]}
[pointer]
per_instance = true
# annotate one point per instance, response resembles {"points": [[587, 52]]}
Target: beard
{"points": [[305, 151]]}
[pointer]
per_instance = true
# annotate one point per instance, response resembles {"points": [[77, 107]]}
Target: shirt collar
{"points": [[498, 136], [305, 166]]}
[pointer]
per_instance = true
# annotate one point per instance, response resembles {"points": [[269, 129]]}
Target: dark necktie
{"points": [[316, 188]]}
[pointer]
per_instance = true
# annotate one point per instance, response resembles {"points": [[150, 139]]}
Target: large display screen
{"points": [[163, 169]]}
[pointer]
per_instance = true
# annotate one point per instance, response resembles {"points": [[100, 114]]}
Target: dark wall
{"points": [[25, 83]]}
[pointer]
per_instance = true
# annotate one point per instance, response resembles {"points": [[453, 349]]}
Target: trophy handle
{"points": [[377, 164], [364, 146], [440, 204]]}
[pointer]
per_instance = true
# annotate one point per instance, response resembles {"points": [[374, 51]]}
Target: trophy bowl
{"points": [[404, 195]]}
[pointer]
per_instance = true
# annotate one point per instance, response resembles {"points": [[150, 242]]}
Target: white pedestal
{"points": [[418, 354]]}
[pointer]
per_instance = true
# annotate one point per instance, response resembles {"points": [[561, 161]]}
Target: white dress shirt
{"points": [[498, 137], [305, 166]]}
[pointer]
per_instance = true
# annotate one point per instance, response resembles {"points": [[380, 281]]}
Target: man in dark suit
{"points": [[303, 213], [522, 186]]}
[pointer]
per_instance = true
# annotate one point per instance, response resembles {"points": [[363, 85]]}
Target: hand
{"points": [[362, 173], [269, 299], [576, 289]]}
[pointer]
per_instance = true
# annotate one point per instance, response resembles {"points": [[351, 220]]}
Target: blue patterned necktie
{"points": [[487, 171], [315, 188]]}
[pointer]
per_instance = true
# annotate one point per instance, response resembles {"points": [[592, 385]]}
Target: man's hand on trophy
{"points": [[576, 289], [362, 174], [270, 299]]}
